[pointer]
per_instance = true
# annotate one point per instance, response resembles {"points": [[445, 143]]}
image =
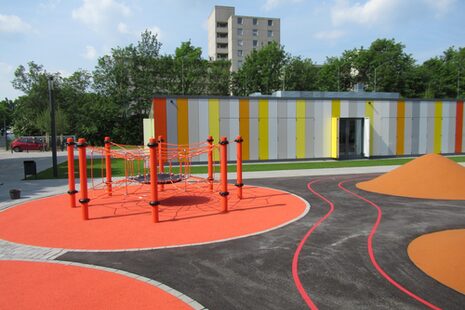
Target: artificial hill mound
{"points": [[430, 176]]}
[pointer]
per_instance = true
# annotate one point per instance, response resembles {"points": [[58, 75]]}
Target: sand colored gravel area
{"points": [[430, 176], [441, 255]]}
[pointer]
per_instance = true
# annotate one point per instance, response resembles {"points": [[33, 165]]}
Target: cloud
{"points": [[271, 4], [13, 24], [375, 12], [90, 53], [49, 4], [371, 12], [6, 76], [331, 35], [95, 13], [122, 28]]}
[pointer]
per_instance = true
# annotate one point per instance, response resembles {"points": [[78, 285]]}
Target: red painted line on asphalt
{"points": [[371, 252], [295, 260]]}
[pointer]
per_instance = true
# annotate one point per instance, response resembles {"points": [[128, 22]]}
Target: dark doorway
{"points": [[351, 138]]}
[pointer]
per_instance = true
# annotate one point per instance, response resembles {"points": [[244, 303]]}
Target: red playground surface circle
{"points": [[125, 222], [40, 285]]}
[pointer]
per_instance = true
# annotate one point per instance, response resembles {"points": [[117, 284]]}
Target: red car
{"points": [[27, 144]]}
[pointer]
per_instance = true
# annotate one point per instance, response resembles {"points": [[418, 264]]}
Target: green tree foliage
{"points": [[299, 74], [261, 71]]}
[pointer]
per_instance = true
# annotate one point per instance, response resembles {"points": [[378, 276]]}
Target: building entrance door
{"points": [[351, 138]]}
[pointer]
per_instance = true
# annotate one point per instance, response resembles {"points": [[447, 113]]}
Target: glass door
{"points": [[350, 138]]}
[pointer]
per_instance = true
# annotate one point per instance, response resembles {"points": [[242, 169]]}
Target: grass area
{"points": [[118, 168]]}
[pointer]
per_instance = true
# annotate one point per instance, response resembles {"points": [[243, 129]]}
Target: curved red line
{"points": [[371, 252], [295, 260]]}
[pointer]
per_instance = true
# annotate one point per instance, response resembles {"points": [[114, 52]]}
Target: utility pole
{"points": [[4, 124], [53, 126]]}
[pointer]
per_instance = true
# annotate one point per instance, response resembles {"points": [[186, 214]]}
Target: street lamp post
{"points": [[376, 69], [53, 126], [4, 125]]}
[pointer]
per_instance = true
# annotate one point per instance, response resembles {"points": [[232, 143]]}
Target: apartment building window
{"points": [[240, 32], [240, 43], [222, 56], [239, 63], [255, 43], [239, 20], [255, 21], [255, 32], [221, 35], [239, 53], [270, 33], [221, 25], [222, 45], [270, 22]]}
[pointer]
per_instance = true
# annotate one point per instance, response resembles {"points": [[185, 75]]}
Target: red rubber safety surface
{"points": [[125, 221], [37, 285]]}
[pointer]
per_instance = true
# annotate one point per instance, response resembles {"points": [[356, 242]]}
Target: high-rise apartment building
{"points": [[233, 37]]}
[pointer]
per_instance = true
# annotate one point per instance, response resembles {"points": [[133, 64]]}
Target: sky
{"points": [[67, 35]]}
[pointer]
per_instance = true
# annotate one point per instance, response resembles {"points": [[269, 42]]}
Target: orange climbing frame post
{"points": [[239, 183], [224, 173], [108, 164], [210, 162], [153, 179], [71, 179], [160, 159], [84, 200]]}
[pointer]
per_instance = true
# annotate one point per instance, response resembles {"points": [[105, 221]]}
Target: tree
{"points": [[300, 74], [261, 71]]}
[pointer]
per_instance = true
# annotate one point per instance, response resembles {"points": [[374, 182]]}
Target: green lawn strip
{"points": [[118, 168]]}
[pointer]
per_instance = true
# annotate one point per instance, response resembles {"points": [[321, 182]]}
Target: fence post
{"points": [[153, 179], [71, 178], [239, 183], [82, 145], [108, 164], [224, 173], [210, 162]]}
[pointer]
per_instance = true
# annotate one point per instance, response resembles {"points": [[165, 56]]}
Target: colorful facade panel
{"points": [[282, 128]]}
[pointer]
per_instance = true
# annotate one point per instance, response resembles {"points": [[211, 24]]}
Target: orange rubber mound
{"points": [[441, 255], [125, 221], [431, 176], [33, 285]]}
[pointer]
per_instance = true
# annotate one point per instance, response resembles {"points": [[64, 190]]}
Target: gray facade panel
{"points": [[172, 120], [282, 129]]}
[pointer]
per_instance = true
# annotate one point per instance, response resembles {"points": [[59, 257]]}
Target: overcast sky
{"points": [[65, 35]]}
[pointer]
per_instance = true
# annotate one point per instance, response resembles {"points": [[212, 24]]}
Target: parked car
{"points": [[27, 144]]}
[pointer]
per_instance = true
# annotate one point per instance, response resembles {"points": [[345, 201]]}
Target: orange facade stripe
{"points": [[459, 127], [159, 116], [400, 127]]}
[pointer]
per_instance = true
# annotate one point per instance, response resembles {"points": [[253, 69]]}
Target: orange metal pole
{"points": [[224, 173], [210, 162], [108, 164], [239, 183], [71, 179], [153, 179], [83, 178], [160, 159]]}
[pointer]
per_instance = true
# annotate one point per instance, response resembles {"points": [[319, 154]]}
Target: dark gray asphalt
{"points": [[255, 272]]}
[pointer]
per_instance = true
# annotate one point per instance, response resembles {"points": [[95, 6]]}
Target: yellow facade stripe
{"points": [[437, 126], [370, 112], [300, 129], [263, 129], [335, 112], [335, 137], [400, 127], [336, 108], [183, 121], [214, 122], [244, 127]]}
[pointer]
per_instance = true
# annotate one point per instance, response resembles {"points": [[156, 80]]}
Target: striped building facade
{"points": [[276, 128]]}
